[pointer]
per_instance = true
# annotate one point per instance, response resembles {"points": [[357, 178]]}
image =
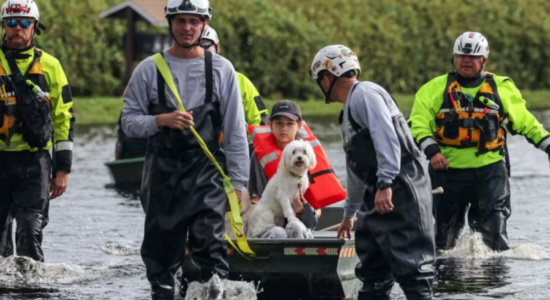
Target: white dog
{"points": [[290, 181]]}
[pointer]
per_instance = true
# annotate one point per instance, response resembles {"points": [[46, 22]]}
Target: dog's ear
{"points": [[311, 155]]}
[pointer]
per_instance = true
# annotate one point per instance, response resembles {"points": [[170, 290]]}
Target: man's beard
{"points": [[18, 42]]}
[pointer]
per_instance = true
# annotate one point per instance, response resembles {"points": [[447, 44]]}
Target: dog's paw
{"points": [[292, 218], [297, 230]]}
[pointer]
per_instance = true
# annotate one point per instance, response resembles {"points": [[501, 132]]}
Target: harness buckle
{"points": [[469, 123]]}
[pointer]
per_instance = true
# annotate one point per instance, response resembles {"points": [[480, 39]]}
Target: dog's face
{"points": [[298, 157]]}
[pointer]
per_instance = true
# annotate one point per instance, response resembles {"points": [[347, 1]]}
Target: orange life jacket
{"points": [[474, 122], [324, 188]]}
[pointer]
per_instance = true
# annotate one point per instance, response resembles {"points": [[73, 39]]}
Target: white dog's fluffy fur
{"points": [[275, 203]]}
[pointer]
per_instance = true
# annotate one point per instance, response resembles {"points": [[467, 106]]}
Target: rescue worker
{"points": [[254, 108], [182, 191], [36, 115], [458, 121], [394, 233]]}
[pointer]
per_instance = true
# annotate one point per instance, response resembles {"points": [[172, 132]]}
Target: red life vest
{"points": [[324, 188]]}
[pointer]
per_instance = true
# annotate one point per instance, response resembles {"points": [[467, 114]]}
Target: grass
{"points": [[106, 110], [97, 110]]}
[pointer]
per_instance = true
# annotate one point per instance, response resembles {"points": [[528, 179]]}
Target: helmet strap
{"points": [[327, 93]]}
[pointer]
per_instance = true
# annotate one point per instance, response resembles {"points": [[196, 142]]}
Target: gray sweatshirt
{"points": [[373, 108], [189, 76]]}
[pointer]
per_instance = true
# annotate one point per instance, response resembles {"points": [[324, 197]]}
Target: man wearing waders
{"points": [[36, 115], [458, 120], [394, 233], [182, 191]]}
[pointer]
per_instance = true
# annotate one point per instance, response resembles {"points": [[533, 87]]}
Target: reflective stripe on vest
{"points": [[324, 188], [270, 157]]}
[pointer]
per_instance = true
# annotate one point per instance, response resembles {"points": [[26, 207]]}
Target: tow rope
{"points": [[237, 224]]}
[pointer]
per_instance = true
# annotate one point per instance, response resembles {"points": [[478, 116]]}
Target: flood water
{"points": [[92, 242]]}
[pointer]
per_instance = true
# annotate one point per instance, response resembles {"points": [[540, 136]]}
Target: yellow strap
{"points": [[234, 215]]}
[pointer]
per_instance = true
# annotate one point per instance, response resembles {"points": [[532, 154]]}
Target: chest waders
{"points": [[183, 191], [399, 245]]}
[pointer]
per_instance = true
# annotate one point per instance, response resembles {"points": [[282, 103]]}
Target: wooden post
{"points": [[130, 37]]}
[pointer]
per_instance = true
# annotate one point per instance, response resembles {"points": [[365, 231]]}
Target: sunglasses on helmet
{"points": [[24, 23]]}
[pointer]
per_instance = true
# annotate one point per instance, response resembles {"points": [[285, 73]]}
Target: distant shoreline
{"points": [[106, 110]]}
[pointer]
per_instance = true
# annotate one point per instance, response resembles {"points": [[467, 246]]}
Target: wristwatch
{"points": [[382, 185]]}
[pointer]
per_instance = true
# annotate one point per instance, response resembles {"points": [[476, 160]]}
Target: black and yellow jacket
{"points": [[48, 74], [429, 105]]}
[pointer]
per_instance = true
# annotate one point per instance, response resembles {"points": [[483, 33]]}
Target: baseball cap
{"points": [[286, 108]]}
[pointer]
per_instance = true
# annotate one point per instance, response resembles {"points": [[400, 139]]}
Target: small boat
{"points": [[126, 172], [292, 269], [289, 269]]}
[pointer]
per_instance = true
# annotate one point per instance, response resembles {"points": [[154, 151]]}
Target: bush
{"points": [[401, 43], [89, 48]]}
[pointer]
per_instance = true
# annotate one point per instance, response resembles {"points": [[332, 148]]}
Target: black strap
{"points": [[11, 62], [10, 57], [352, 121], [311, 176], [209, 76], [161, 89]]}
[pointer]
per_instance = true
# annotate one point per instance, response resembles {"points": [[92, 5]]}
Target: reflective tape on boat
{"points": [[347, 252], [311, 251]]}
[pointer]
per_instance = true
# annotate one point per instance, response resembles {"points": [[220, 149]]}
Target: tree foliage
{"points": [[401, 43]]}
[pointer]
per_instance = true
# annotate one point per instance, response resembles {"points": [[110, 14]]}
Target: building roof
{"points": [[150, 11]]}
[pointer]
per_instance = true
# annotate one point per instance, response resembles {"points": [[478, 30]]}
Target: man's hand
{"points": [[344, 230], [382, 201], [58, 185], [439, 162], [176, 120], [297, 205]]}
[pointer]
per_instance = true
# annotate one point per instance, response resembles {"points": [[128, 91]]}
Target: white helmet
{"points": [[472, 43], [210, 34], [193, 7], [20, 8], [336, 59]]}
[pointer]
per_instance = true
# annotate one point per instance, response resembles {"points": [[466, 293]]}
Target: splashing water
{"points": [[217, 289], [19, 269], [121, 250], [471, 246]]}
